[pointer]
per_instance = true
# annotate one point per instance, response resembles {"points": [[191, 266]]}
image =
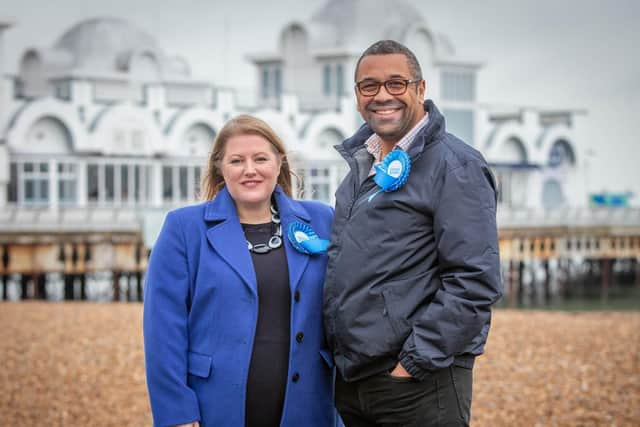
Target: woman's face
{"points": [[250, 168]]}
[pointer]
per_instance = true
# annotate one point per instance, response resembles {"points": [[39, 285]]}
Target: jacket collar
{"points": [[227, 237]]}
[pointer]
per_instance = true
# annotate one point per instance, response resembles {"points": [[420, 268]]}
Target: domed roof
{"points": [[99, 42], [355, 24]]}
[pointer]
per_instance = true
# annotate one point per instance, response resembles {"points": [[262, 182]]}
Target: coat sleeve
{"points": [[166, 302], [469, 270]]}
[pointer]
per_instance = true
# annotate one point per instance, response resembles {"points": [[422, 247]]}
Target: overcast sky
{"points": [[578, 54]]}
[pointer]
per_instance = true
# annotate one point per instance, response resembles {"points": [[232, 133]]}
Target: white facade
{"points": [[106, 120]]}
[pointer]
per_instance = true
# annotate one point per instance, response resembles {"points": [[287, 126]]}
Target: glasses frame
{"points": [[406, 82]]}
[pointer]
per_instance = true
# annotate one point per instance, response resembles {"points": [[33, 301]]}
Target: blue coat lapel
{"points": [[227, 238], [290, 212]]}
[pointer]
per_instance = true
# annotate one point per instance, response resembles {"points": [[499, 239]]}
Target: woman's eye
{"points": [[235, 161], [261, 159]]}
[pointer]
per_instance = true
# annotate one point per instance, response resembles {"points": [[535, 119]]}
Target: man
{"points": [[413, 267]]}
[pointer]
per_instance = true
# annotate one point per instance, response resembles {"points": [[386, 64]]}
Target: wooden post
{"points": [[5, 287], [24, 282], [513, 289], [547, 282], [128, 284], [605, 264], [5, 276], [83, 286], [520, 293], [139, 285], [68, 286], [116, 285], [40, 286]]}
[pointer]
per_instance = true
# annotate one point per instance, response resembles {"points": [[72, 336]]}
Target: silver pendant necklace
{"points": [[276, 238]]}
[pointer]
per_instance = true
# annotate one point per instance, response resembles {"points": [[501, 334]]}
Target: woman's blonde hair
{"points": [[212, 180]]}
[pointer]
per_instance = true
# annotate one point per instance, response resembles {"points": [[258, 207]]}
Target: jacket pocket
{"points": [[199, 365], [393, 313]]}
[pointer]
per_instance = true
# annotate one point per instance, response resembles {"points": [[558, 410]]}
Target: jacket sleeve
{"points": [[166, 302], [469, 270]]}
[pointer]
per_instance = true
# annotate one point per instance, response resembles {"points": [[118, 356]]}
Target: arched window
{"points": [[197, 140], [561, 154], [32, 79]]}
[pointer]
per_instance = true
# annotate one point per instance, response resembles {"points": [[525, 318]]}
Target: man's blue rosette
{"points": [[393, 172], [305, 240]]}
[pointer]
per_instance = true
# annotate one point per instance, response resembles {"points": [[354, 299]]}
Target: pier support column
{"points": [[5, 287], [547, 282], [39, 286], [139, 285], [83, 286], [520, 292], [24, 283], [116, 285], [605, 264], [512, 277], [69, 280]]}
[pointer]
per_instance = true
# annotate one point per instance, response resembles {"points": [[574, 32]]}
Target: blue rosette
{"points": [[305, 240], [393, 172]]}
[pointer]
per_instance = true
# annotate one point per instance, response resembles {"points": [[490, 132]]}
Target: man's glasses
{"points": [[393, 86]]}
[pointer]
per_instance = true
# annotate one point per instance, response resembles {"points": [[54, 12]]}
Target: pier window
{"points": [[317, 184], [180, 183], [13, 183], [93, 183], [35, 178], [67, 183], [167, 183], [458, 85], [183, 183], [109, 183], [333, 79], [124, 183], [115, 183], [270, 81]]}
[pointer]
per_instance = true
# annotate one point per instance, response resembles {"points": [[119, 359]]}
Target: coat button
{"points": [[299, 336], [295, 377], [296, 296]]}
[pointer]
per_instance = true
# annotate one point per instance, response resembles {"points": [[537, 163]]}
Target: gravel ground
{"points": [[81, 364]]}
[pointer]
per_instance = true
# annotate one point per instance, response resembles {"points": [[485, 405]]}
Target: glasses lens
{"points": [[395, 87], [368, 87]]}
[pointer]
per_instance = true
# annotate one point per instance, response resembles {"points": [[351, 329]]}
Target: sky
{"points": [[552, 54]]}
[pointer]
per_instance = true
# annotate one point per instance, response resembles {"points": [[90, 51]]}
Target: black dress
{"points": [[267, 380]]}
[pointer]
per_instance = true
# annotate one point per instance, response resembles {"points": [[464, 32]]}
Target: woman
{"points": [[232, 310]]}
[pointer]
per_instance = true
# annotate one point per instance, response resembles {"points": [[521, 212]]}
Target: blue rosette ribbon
{"points": [[393, 172], [305, 240]]}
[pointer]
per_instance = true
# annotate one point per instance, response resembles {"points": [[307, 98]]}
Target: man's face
{"points": [[390, 116]]}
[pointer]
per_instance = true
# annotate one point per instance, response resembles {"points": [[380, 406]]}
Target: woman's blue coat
{"points": [[200, 313]]}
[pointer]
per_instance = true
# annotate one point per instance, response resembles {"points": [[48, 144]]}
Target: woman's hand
{"points": [[193, 424]]}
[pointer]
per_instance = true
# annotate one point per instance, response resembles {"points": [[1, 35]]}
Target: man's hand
{"points": [[399, 371]]}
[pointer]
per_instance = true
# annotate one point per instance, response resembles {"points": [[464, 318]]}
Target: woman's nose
{"points": [[249, 168]]}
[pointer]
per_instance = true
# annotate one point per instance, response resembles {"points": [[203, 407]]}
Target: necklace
{"points": [[276, 238]]}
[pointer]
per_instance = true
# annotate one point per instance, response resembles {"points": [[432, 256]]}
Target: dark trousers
{"points": [[442, 399]]}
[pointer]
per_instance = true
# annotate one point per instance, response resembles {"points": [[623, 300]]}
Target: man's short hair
{"points": [[388, 47]]}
